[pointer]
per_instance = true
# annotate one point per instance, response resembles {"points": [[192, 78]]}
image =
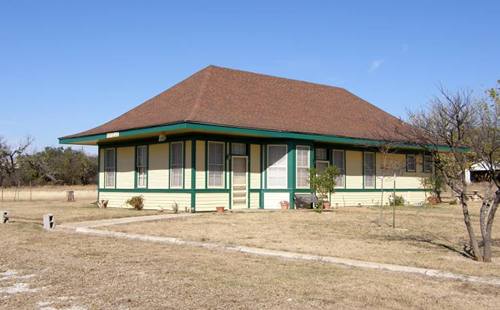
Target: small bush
{"points": [[137, 202], [396, 200]]}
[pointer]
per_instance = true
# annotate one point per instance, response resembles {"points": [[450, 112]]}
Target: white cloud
{"points": [[375, 65]]}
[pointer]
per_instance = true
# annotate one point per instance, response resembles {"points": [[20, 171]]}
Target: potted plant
{"points": [[220, 209], [284, 205], [322, 183]]}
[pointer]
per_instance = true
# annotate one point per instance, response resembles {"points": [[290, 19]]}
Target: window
{"points": [[338, 160], [238, 149], [321, 165], [302, 166], [109, 167], [141, 162], [176, 164], [369, 169], [411, 163], [215, 164], [428, 163], [321, 154], [276, 166]]}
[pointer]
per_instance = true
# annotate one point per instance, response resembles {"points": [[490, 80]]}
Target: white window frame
{"points": [[414, 160], [303, 147], [424, 161], [268, 166], [322, 162], [209, 164], [374, 170], [341, 170], [326, 154], [177, 165], [144, 167], [109, 170]]}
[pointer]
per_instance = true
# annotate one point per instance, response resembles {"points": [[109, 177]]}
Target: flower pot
{"points": [[284, 205], [220, 209], [326, 205]]}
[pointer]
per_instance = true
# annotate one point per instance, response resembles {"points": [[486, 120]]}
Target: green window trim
{"points": [[207, 152], [427, 159]]}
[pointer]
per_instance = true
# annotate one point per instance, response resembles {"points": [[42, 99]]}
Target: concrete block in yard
{"points": [[49, 222], [5, 216]]}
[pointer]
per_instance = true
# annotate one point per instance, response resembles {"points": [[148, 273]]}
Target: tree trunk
{"points": [[487, 225], [470, 230]]}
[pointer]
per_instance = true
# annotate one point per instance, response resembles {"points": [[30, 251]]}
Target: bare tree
{"points": [[485, 144], [449, 121], [9, 159]]}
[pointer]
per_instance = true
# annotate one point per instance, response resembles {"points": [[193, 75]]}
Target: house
{"points": [[237, 139]]}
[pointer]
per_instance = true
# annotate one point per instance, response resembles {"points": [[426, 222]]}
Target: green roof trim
{"points": [[191, 126]]}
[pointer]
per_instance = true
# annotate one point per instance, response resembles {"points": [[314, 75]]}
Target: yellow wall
{"points": [[254, 200], [151, 200], [209, 201], [255, 166], [341, 199], [354, 169], [158, 173], [125, 162], [200, 164]]}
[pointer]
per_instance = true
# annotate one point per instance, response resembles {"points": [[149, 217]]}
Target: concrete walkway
{"points": [[87, 228]]}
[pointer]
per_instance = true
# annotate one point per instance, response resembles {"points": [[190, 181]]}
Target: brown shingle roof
{"points": [[230, 97]]}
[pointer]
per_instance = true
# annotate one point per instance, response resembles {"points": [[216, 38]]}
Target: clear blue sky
{"points": [[67, 66]]}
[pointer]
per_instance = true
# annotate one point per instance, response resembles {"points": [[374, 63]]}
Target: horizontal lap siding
{"points": [[151, 200], [200, 164], [373, 198], [209, 201], [404, 179], [254, 200], [125, 162], [158, 166], [272, 200]]}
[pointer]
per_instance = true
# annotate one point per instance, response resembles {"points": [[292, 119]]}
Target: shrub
{"points": [[323, 183], [137, 202], [396, 200]]}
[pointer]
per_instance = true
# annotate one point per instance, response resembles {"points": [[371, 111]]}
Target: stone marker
{"points": [[49, 222], [5, 216]]}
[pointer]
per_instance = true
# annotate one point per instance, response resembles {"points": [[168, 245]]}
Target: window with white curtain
{"points": [[141, 165], [338, 160], [176, 164], [369, 169], [277, 166], [215, 164], [109, 167], [302, 166]]}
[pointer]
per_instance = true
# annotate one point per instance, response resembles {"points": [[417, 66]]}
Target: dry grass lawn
{"points": [[431, 237], [57, 270], [82, 210]]}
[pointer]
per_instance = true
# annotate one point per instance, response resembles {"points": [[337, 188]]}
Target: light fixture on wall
{"points": [[162, 138]]}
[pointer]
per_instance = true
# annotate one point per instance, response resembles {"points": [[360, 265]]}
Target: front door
{"points": [[239, 183]]}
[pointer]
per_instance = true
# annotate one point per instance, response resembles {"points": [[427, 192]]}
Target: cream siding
{"points": [[354, 169], [158, 172], [187, 165], [209, 201], [272, 200], [255, 166], [151, 200], [200, 164], [254, 200], [125, 162], [341, 199], [404, 180]]}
